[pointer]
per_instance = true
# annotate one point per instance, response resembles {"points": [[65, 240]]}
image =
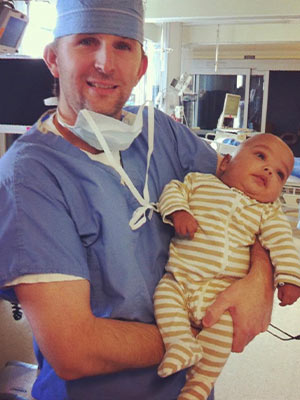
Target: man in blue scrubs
{"points": [[81, 245]]}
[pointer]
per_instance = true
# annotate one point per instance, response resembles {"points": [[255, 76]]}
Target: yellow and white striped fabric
{"points": [[207, 353], [201, 268]]}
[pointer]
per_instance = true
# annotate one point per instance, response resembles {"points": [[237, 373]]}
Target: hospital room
{"points": [[197, 73]]}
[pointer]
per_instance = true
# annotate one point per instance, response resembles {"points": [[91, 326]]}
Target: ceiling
{"points": [[200, 12], [268, 28]]}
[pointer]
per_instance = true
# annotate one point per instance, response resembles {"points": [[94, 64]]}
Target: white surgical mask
{"points": [[118, 134], [98, 130]]}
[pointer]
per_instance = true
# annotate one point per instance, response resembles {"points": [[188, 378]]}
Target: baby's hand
{"points": [[184, 223], [288, 294]]}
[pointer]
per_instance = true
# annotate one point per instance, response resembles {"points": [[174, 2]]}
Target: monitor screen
{"points": [[24, 83], [13, 32], [12, 27], [231, 105]]}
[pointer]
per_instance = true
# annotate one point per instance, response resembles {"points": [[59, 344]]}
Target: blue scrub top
{"points": [[62, 212]]}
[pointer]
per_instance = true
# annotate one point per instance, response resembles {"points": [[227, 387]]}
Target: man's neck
{"points": [[73, 139]]}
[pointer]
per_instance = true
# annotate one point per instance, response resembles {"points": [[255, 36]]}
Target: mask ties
{"points": [[139, 216]]}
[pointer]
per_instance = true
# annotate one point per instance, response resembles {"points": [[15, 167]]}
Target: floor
{"points": [[268, 369]]}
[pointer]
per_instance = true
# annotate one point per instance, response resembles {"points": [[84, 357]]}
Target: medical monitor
{"points": [[12, 28], [24, 84], [230, 111], [231, 105]]}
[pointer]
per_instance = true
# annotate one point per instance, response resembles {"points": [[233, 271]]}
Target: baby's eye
{"points": [[260, 155], [281, 175]]}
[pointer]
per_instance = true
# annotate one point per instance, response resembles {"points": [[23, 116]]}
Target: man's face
{"points": [[96, 72]]}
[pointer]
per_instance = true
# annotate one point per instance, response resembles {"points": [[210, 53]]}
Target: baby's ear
{"points": [[223, 164]]}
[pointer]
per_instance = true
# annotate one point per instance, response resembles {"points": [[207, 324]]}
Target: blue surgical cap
{"points": [[115, 17]]}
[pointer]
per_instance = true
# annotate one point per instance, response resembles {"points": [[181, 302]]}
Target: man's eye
{"points": [[87, 41], [123, 46]]}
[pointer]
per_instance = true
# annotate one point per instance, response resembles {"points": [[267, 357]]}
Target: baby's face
{"points": [[260, 168]]}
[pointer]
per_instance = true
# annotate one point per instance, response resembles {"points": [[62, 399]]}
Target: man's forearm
{"points": [[75, 342], [121, 345], [249, 301], [261, 265]]}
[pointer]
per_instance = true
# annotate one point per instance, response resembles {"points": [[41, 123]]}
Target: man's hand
{"points": [[184, 223], [249, 301]]}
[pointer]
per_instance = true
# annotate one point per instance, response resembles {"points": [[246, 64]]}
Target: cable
{"points": [[289, 337], [8, 3], [184, 118], [17, 311]]}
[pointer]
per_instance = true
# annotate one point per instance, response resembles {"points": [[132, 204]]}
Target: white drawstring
{"points": [[139, 216]]}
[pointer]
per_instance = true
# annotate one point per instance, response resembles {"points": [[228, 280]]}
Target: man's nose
{"points": [[104, 59]]}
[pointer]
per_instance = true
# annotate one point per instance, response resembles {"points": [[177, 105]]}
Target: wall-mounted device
{"points": [[181, 84], [12, 28]]}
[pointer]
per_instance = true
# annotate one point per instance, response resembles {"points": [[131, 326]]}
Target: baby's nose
{"points": [[268, 170]]}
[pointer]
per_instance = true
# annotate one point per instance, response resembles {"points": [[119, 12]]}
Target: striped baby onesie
{"points": [[199, 269]]}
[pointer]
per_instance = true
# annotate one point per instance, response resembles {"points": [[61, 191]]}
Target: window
{"points": [[38, 33], [148, 87], [205, 109]]}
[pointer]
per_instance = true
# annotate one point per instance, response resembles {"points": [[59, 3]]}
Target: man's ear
{"points": [[143, 67], [223, 164], [50, 58]]}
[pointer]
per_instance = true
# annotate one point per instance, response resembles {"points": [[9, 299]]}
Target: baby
{"points": [[216, 220]]}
